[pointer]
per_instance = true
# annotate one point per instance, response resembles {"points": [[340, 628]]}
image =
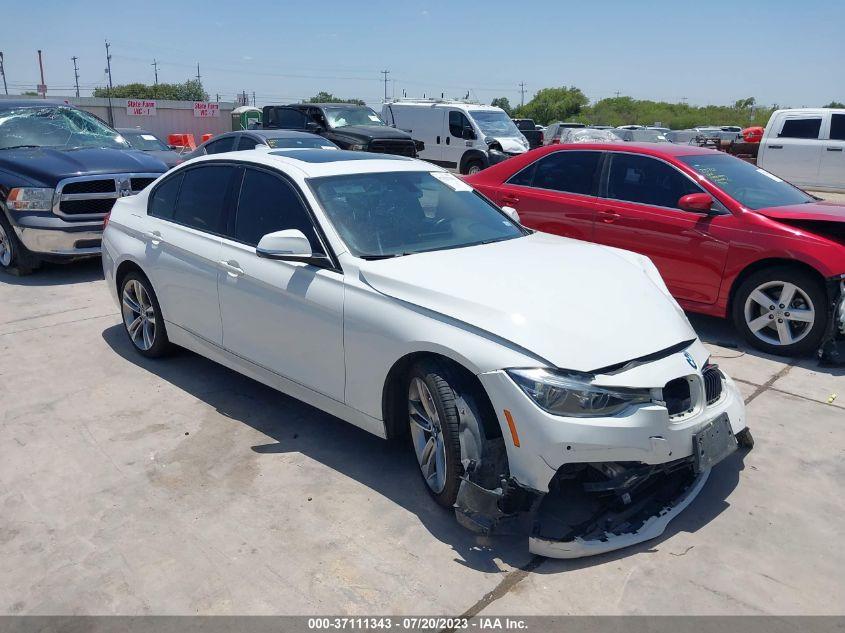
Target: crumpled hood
{"points": [[812, 211], [48, 166], [511, 144], [578, 305], [370, 132]]}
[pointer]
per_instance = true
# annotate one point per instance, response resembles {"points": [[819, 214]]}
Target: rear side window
{"points": [[287, 118], [220, 145], [203, 196], [801, 128], [163, 200], [572, 172], [837, 127], [457, 123], [246, 142], [646, 180], [267, 204]]}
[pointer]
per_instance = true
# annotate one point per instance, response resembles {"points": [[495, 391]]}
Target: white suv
{"points": [[391, 294], [461, 136]]}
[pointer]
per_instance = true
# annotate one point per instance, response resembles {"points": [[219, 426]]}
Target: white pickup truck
{"points": [[806, 147]]}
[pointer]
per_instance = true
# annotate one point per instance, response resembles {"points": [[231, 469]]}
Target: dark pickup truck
{"points": [[529, 130], [351, 127], [61, 170]]}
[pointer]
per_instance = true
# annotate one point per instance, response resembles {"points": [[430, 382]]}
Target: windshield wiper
{"points": [[19, 146], [371, 258]]}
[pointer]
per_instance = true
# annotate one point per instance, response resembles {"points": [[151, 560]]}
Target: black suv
{"points": [[352, 127], [61, 170]]}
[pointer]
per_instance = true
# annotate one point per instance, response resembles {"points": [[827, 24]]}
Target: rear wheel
{"points": [[434, 422], [781, 310], [473, 167], [142, 319]]}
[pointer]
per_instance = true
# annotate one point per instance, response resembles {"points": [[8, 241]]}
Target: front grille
{"points": [[397, 147], [677, 396], [712, 383], [105, 185], [139, 184], [87, 207]]}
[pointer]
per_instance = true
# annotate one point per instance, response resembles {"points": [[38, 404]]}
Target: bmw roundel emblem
{"points": [[690, 360]]}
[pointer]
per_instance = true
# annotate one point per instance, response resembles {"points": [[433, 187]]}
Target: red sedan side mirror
{"points": [[696, 202]]}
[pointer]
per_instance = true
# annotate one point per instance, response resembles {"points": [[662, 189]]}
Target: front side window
{"points": [[837, 127], [807, 127], [572, 172], [267, 204], [646, 180], [203, 196], [55, 126], [400, 213], [751, 186], [457, 123], [247, 142], [162, 202], [301, 142], [352, 115]]}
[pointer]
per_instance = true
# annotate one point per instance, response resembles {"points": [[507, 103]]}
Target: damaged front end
{"points": [[832, 351]]}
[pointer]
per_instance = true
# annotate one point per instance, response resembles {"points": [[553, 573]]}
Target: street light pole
{"points": [[108, 70]]}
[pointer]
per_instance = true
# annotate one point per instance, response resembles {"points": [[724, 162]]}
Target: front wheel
{"points": [[142, 319], [781, 310], [473, 167], [14, 258]]}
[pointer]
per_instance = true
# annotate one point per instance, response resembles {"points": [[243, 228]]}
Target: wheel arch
{"points": [[770, 262], [124, 268], [394, 400]]}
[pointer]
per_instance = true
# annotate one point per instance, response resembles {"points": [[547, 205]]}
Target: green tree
{"points": [[190, 90], [327, 97], [29, 93], [553, 104], [835, 104], [503, 103]]}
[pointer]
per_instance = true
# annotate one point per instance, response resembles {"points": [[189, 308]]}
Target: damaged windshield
{"points": [[495, 123], [55, 126]]}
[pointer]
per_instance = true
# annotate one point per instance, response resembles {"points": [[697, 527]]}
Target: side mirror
{"points": [[696, 202], [468, 134], [512, 214], [289, 245], [174, 147]]}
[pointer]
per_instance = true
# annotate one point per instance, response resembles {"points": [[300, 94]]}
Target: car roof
{"points": [[315, 163], [652, 149], [30, 103]]}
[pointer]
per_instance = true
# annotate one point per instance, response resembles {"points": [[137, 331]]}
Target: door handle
{"points": [[608, 217], [775, 146], [510, 199], [447, 140], [834, 149], [438, 140], [154, 237], [232, 268]]}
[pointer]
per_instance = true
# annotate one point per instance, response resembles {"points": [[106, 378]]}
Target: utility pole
{"points": [[617, 93], [42, 87], [218, 97], [108, 70], [199, 81], [522, 92], [3, 72], [385, 73], [253, 98], [155, 74], [76, 74]]}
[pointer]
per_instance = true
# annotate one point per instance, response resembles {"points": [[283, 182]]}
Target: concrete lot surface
{"points": [[179, 487]]}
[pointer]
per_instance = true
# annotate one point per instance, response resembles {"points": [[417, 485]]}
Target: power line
{"points": [[76, 74]]}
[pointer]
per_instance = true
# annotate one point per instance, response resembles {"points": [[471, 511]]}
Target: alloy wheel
{"points": [[139, 314], [779, 313], [427, 435], [5, 248]]}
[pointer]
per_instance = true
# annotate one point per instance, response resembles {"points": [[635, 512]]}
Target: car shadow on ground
{"points": [[50, 274], [387, 468]]}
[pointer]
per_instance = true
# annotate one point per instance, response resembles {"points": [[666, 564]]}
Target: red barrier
{"points": [[753, 134], [206, 137], [182, 140]]}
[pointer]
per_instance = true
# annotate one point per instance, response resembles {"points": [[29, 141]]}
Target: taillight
{"points": [[106, 220]]}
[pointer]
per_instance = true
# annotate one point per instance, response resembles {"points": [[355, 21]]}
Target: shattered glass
{"points": [[55, 126]]}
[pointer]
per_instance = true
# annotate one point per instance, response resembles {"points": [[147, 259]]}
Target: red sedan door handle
{"points": [[608, 217], [509, 199]]}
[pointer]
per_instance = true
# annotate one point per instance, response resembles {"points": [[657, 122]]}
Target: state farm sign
{"points": [[204, 109], [140, 107]]}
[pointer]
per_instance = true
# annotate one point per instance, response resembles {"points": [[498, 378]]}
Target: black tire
{"points": [[17, 260], [808, 337], [160, 344], [745, 439], [473, 164], [440, 386]]}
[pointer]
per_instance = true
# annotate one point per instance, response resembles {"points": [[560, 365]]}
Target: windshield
{"points": [[750, 186], [301, 143], [352, 115], [494, 123], [55, 126], [399, 213], [145, 141], [648, 136]]}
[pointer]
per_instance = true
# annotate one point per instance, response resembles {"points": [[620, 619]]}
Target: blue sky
{"points": [[707, 52]]}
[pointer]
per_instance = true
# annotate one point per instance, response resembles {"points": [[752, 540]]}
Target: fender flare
{"points": [[473, 154]]}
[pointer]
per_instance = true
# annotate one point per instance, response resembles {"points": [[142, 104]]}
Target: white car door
{"points": [[183, 246], [456, 145], [284, 316], [832, 168], [794, 152]]}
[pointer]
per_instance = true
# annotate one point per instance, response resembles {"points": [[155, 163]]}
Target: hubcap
{"points": [[427, 435], [779, 313], [473, 170], [5, 248], [139, 315]]}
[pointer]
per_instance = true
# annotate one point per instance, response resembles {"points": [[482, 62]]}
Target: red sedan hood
{"points": [[812, 211]]}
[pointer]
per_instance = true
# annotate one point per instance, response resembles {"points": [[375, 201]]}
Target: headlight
{"points": [[30, 199], [571, 395], [357, 147]]}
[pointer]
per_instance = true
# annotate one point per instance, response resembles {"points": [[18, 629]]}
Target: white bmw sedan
{"points": [[545, 384]]}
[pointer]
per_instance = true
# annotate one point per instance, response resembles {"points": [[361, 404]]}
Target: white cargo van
{"points": [[806, 147], [463, 136]]}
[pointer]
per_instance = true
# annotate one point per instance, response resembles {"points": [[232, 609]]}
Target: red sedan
{"points": [[728, 238]]}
